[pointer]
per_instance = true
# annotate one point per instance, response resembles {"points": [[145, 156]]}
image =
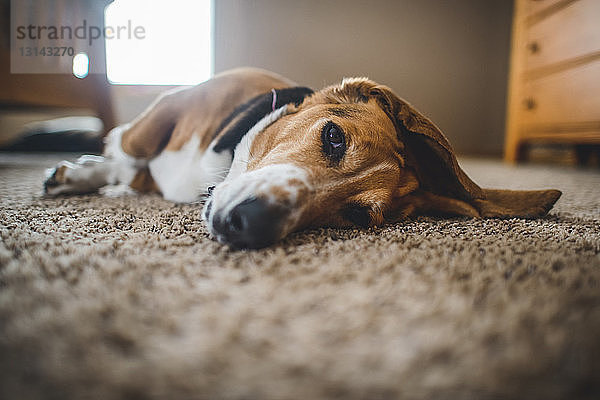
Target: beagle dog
{"points": [[270, 157]]}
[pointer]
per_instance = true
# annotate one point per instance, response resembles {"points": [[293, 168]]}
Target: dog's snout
{"points": [[251, 224]]}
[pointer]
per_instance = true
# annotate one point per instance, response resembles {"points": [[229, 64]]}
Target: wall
{"points": [[448, 58]]}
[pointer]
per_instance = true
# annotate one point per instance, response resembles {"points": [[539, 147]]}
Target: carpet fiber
{"points": [[126, 297]]}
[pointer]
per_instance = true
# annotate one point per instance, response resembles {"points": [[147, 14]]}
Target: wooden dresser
{"points": [[554, 84]]}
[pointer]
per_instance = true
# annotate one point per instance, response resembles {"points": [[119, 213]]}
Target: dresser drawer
{"points": [[554, 89], [571, 96], [573, 32]]}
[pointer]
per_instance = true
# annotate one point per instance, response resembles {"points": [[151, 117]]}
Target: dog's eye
{"points": [[335, 137], [334, 141]]}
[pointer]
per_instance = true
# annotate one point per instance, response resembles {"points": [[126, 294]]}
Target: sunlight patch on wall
{"points": [[162, 42]]}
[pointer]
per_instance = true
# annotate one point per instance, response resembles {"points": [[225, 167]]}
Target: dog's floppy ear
{"points": [[428, 151], [516, 203], [430, 155]]}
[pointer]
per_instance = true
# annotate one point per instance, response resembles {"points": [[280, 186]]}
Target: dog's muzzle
{"points": [[251, 224], [257, 208]]}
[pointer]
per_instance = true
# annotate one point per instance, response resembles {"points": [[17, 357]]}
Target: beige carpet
{"points": [[126, 298]]}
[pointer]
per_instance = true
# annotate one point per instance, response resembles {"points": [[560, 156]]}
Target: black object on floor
{"points": [[74, 141], [68, 134]]}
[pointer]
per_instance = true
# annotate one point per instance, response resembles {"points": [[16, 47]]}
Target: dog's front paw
{"points": [[68, 178], [86, 175], [57, 180]]}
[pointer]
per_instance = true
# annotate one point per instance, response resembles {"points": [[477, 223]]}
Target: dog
{"points": [[270, 157]]}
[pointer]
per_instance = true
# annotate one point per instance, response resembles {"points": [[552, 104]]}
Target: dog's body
{"points": [[282, 158]]}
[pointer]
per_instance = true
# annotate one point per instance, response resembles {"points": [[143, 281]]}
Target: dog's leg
{"points": [[90, 173]]}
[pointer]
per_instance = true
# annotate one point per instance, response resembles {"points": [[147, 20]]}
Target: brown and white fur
{"points": [[349, 154]]}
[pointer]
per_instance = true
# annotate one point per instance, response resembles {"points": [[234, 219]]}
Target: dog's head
{"points": [[353, 154]]}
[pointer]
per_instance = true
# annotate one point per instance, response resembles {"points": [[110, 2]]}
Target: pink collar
{"points": [[274, 99]]}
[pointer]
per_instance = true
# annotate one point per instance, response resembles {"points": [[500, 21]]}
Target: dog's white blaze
{"points": [[183, 176], [259, 183], [242, 150]]}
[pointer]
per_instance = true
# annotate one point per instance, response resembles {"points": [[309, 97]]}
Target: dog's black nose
{"points": [[252, 224]]}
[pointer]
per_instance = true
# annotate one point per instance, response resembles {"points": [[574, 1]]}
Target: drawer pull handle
{"points": [[530, 104], [533, 47]]}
